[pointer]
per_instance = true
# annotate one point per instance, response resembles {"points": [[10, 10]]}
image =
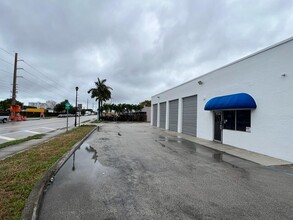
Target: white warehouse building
{"points": [[246, 104]]}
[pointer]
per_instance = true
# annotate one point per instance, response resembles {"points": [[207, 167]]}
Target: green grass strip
{"points": [[19, 173], [19, 141]]}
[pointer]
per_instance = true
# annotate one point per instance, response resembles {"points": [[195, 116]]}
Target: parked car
{"points": [[4, 118]]}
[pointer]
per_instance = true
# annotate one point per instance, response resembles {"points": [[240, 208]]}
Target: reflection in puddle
{"points": [[168, 139], [218, 156], [73, 162], [193, 148], [90, 149], [83, 165]]}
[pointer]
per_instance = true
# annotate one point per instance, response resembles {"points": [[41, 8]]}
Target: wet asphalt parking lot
{"points": [[135, 171]]}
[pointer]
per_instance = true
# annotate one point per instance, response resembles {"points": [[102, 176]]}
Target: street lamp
{"points": [[76, 89]]}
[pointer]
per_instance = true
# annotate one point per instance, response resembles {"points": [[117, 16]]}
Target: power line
{"points": [[42, 74], [4, 85], [30, 92], [5, 71], [42, 87], [5, 81], [41, 80], [6, 61], [44, 82], [6, 65], [6, 51]]}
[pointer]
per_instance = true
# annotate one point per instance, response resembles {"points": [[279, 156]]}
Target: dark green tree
{"points": [[5, 105], [107, 107], [101, 92], [138, 107], [60, 107], [146, 103]]}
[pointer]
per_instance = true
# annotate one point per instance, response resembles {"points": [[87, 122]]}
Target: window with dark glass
{"points": [[229, 120], [238, 120], [243, 120]]}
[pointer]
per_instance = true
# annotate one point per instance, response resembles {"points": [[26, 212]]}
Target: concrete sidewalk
{"points": [[234, 151], [14, 149], [18, 148]]}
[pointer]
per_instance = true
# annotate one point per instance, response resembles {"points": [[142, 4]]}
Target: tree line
{"points": [[101, 92], [121, 108]]}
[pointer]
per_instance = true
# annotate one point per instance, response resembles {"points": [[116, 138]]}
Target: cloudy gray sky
{"points": [[140, 47]]}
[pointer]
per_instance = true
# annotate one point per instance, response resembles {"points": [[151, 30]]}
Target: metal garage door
{"points": [[173, 115], [189, 119], [155, 114], [163, 115]]}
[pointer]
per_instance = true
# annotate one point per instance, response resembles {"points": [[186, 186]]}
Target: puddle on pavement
{"points": [[92, 150], [170, 139], [286, 169], [79, 177], [218, 156], [192, 147], [82, 166]]}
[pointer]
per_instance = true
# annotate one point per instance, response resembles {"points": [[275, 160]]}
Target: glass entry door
{"points": [[218, 127]]}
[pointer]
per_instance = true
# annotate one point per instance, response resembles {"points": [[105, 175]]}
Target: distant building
{"points": [[38, 105], [148, 112], [51, 104]]}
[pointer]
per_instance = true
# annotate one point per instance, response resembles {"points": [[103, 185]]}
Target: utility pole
{"points": [[14, 80]]}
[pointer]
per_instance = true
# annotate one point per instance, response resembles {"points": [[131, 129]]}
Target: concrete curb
{"points": [[43, 140], [34, 201]]}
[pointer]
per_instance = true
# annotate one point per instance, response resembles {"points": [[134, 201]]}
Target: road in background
{"points": [[21, 129]]}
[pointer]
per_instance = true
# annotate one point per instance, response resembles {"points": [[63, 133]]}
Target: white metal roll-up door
{"points": [[189, 119], [163, 115], [173, 115], [155, 114]]}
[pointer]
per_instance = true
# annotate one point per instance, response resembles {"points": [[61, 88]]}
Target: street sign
{"points": [[67, 106]]}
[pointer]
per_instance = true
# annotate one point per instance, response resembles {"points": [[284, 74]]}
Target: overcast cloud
{"points": [[140, 47]]}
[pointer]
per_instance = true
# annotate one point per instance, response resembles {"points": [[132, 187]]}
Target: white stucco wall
{"points": [[259, 75], [148, 112]]}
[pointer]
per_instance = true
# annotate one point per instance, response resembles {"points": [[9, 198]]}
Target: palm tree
{"points": [[101, 92]]}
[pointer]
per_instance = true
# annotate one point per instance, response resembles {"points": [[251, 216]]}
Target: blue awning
{"points": [[227, 102]]}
